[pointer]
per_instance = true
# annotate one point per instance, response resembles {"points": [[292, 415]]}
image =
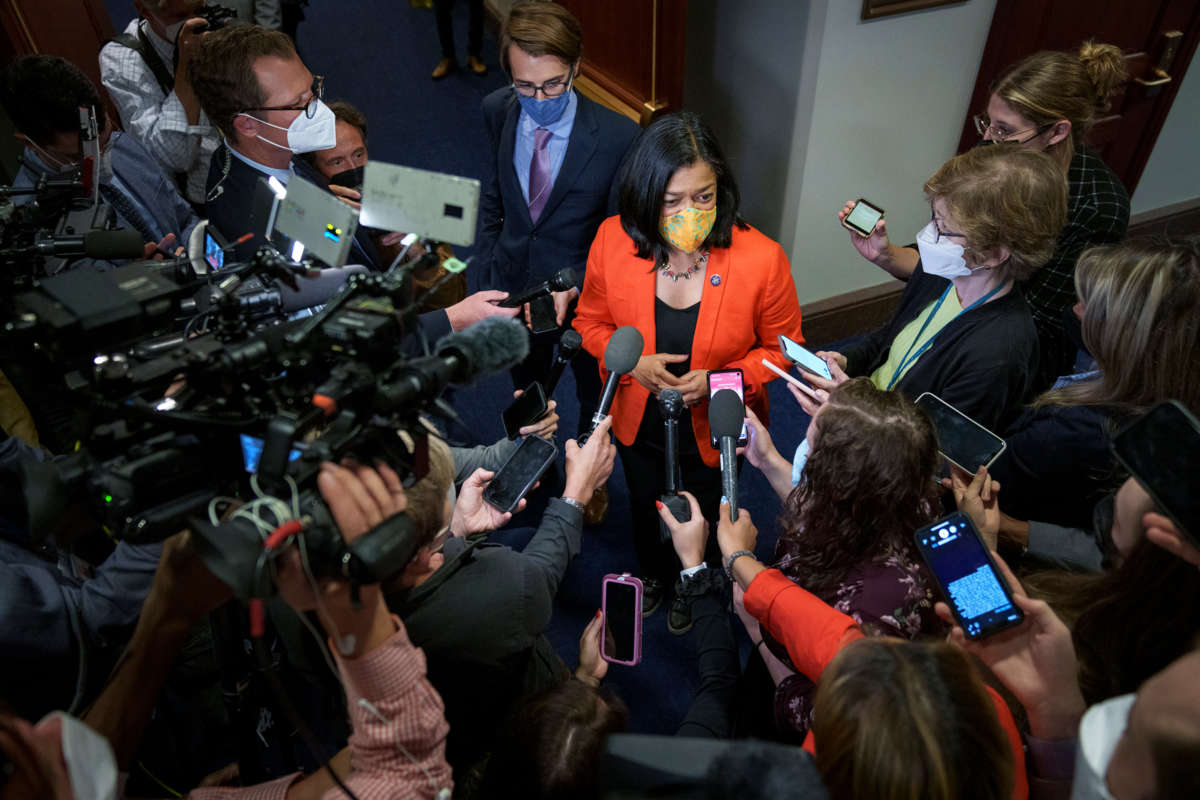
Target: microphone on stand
{"points": [[670, 406], [726, 415], [620, 357], [568, 347]]}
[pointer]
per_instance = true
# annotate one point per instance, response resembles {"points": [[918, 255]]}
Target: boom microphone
{"points": [[620, 357], [101, 244], [726, 415], [568, 347], [489, 346], [560, 281]]}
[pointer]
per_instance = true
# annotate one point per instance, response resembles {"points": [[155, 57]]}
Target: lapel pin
{"points": [[715, 280]]}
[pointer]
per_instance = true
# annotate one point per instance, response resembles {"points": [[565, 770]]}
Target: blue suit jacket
{"points": [[511, 251]]}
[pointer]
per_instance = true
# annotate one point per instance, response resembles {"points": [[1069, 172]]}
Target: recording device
{"points": [[100, 244], [1161, 450], [621, 606], [719, 379], [803, 358], [569, 345], [318, 220], [801, 385], [670, 408], [977, 594], [961, 440], [431, 204], [863, 218], [620, 357], [530, 406], [542, 316], [726, 417], [519, 473]]}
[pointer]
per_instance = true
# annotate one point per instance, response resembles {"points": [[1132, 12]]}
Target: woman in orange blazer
{"points": [[707, 292]]}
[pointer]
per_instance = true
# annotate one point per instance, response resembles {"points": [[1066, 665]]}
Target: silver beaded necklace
{"points": [[701, 259]]}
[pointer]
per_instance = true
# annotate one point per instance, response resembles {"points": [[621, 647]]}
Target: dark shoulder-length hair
{"points": [[866, 488], [674, 141]]}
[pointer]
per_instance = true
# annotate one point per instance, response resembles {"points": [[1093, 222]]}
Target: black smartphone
{"points": [[963, 441], [542, 316], [1161, 450], [621, 602], [516, 477], [525, 409], [719, 379], [960, 562], [862, 218]]}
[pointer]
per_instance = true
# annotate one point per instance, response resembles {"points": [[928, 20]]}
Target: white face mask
{"points": [[89, 758], [799, 460], [305, 135], [1099, 732], [943, 258]]}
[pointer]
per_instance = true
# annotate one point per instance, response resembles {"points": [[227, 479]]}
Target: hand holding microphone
{"points": [[620, 357]]}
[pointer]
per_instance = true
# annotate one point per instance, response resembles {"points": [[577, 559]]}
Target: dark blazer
{"points": [[234, 212], [982, 363], [510, 250], [1057, 465]]}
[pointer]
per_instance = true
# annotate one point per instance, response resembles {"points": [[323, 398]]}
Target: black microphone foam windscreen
{"points": [[110, 245], [623, 351], [670, 403], [726, 413], [490, 345], [562, 280], [569, 343]]}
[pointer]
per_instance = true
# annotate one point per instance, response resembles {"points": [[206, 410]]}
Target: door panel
{"points": [[1143, 30]]}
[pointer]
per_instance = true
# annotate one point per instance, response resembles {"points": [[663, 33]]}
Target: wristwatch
{"points": [[573, 503]]}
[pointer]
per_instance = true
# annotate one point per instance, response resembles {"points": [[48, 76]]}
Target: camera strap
{"points": [[141, 45]]}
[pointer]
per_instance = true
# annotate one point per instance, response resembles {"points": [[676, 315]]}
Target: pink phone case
{"points": [[625, 578]]}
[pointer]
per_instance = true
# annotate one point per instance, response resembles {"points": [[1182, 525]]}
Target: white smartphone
{"points": [[804, 387], [804, 359]]}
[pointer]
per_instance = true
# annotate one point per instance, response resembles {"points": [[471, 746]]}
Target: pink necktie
{"points": [[539, 174]]}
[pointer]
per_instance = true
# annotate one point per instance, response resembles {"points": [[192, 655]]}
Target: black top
{"points": [[1057, 465], [674, 330], [982, 363]]}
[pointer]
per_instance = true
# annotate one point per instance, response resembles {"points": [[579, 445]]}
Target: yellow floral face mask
{"points": [[687, 229]]}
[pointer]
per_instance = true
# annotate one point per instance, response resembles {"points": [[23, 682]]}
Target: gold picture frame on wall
{"points": [[874, 9]]}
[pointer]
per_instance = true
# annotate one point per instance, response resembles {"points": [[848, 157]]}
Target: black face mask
{"points": [[1073, 329], [351, 179], [985, 142]]}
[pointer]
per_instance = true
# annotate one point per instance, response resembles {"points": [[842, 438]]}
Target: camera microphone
{"points": [[726, 415], [99, 244], [569, 346], [560, 281]]}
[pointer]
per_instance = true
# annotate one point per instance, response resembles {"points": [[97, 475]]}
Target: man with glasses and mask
{"points": [[556, 155], [43, 95]]}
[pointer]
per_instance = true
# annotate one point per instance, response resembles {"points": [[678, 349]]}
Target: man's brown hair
{"points": [[222, 70], [541, 28], [345, 112]]}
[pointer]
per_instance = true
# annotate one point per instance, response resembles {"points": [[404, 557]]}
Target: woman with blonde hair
{"points": [[1139, 313], [1047, 101]]}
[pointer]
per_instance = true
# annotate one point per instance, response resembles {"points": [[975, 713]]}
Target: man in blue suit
{"points": [[556, 156]]}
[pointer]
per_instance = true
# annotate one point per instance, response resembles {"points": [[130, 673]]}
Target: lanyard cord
{"points": [[909, 355]]}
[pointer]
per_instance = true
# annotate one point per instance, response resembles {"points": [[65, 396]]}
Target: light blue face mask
{"points": [[545, 112], [799, 460]]}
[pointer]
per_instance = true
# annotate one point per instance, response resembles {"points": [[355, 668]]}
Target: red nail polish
{"points": [[658, 504], [597, 612]]}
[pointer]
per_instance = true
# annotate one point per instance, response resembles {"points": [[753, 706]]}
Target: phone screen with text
{"points": [[864, 217], [956, 556]]}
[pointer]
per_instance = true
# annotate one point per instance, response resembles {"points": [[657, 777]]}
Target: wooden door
{"points": [[1158, 38]]}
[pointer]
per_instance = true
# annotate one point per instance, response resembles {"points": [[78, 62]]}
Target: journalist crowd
{"points": [[341, 621]]}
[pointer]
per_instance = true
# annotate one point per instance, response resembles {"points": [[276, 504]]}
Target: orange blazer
{"points": [[749, 299]]}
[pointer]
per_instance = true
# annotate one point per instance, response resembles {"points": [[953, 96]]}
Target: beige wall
{"points": [[1173, 172]]}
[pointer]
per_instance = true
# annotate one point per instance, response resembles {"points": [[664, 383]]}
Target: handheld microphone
{"points": [[670, 407], [560, 281], [620, 357], [568, 347], [101, 244], [726, 414]]}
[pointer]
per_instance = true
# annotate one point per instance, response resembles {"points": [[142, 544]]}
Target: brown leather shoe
{"points": [[596, 511], [444, 68], [477, 66]]}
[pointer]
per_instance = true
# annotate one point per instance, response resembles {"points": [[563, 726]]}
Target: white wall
{"points": [[1172, 174], [885, 111]]}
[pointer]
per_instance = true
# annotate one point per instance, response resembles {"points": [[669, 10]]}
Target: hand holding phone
{"points": [[804, 359], [799, 384], [621, 607], [862, 218], [1161, 449], [979, 597], [719, 379], [516, 477], [961, 440], [530, 406]]}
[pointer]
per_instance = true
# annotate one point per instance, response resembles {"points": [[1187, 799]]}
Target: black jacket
{"points": [[511, 252], [982, 363]]}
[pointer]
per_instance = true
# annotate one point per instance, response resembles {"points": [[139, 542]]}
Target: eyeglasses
{"points": [[984, 126], [938, 232], [553, 88], [310, 108]]}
